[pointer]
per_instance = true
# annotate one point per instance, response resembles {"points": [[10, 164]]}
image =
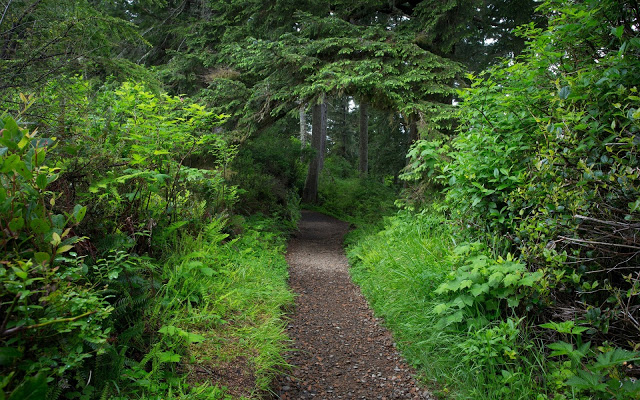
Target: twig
{"points": [[17, 329], [5, 11], [6, 317], [612, 223], [600, 243]]}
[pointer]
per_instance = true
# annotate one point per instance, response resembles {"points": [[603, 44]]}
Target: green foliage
{"points": [[44, 39], [215, 292], [405, 271], [346, 196], [269, 172], [546, 155], [149, 165], [543, 167], [148, 160], [483, 289], [598, 373], [53, 314]]}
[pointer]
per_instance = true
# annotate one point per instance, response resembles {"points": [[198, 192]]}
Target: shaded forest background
{"points": [[155, 154]]}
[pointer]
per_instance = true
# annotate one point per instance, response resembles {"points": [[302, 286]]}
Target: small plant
{"points": [[598, 372], [484, 288]]}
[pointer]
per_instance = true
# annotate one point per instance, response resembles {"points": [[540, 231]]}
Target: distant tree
{"points": [[318, 143], [491, 31], [363, 154], [42, 39]]}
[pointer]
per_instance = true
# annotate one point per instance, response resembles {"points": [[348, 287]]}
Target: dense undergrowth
{"points": [[344, 195], [522, 280], [479, 351], [154, 288]]}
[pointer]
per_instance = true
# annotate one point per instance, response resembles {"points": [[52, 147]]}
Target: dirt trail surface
{"points": [[342, 351]]}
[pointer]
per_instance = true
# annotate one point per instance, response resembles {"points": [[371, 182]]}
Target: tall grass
{"points": [[399, 270], [217, 324]]}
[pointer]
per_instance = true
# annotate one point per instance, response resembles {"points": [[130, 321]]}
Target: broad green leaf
{"points": [[21, 168], [529, 280], [19, 273], [576, 330], [8, 355], [585, 379], [456, 317], [64, 249], [618, 31], [477, 290], [23, 142], [564, 92], [513, 302], [560, 348], [511, 279], [79, 213], [168, 356], [55, 239], [462, 301], [42, 181], [466, 283], [495, 278], [441, 308], [9, 163], [11, 131], [42, 257], [33, 388], [168, 330], [615, 357], [195, 338], [16, 224], [40, 225]]}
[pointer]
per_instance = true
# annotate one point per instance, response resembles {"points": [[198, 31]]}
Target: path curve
{"points": [[342, 351]]}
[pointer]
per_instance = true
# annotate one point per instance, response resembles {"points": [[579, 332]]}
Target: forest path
{"points": [[342, 351]]}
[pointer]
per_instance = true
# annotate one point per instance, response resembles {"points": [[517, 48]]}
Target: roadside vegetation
{"points": [[165, 284], [521, 279]]}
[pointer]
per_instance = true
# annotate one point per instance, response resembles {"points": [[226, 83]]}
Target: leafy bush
{"points": [[53, 314], [483, 289], [343, 194], [544, 166], [410, 269], [143, 161], [269, 172]]}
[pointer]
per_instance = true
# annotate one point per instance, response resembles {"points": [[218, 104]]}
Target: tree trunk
{"points": [[413, 129], [323, 131], [344, 133], [318, 140], [303, 129], [363, 166]]}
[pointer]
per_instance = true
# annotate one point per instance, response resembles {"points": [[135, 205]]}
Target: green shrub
{"points": [[346, 196], [482, 290], [54, 316]]}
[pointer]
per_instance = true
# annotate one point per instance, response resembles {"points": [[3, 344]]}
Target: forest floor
{"points": [[341, 349]]}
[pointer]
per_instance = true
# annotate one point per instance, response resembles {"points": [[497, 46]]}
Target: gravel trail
{"points": [[342, 351]]}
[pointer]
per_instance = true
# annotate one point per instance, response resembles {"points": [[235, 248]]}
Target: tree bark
{"points": [[344, 142], [303, 126], [363, 166], [318, 141], [323, 130], [303, 129], [413, 129]]}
